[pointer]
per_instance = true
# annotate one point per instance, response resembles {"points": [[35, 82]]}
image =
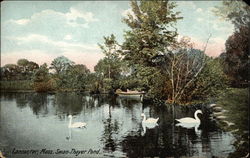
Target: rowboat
{"points": [[130, 94]]}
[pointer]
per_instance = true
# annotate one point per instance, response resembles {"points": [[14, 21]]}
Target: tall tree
{"points": [[236, 56], [61, 64], [110, 65], [152, 30]]}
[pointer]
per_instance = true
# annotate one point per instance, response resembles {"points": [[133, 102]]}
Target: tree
{"points": [[23, 64], [152, 30], [182, 64], [31, 66], [61, 64], [41, 74], [109, 69], [110, 65], [236, 58], [76, 76], [235, 11], [26, 68], [42, 80], [11, 71]]}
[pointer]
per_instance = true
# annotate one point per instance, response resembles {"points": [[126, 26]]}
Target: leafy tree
{"points": [[111, 64], [76, 76], [26, 68], [209, 83], [152, 30], [235, 11], [11, 71], [236, 58], [41, 74], [31, 66], [42, 79], [23, 64], [61, 64], [109, 68]]}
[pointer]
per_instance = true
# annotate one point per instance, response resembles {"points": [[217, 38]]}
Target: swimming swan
{"points": [[149, 120], [189, 119], [76, 124]]}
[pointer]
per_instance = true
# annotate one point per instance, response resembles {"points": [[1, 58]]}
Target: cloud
{"points": [[200, 19], [67, 37], [186, 4], [74, 14], [88, 54], [59, 44], [199, 10], [74, 18], [20, 21]]}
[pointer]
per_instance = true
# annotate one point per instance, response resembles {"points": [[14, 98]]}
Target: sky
{"points": [[40, 31]]}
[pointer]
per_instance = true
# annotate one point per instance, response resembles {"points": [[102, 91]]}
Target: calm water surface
{"points": [[36, 125]]}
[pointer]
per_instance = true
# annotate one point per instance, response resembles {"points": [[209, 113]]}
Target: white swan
{"points": [[190, 120], [190, 126], [76, 124], [149, 120], [148, 123]]}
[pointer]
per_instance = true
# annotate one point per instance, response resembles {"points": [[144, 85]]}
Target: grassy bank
{"points": [[22, 85]]}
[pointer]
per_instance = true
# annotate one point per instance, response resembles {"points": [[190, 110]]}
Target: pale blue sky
{"points": [[41, 31]]}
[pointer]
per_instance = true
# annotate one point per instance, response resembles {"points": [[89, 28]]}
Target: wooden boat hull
{"points": [[134, 96]]}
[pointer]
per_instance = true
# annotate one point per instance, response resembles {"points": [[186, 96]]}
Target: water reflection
{"points": [[114, 125], [194, 126]]}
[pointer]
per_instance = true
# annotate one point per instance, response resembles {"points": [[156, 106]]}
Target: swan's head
{"points": [[198, 112], [142, 115], [70, 116]]}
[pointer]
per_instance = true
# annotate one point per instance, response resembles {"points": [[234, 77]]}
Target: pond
{"points": [[36, 125]]}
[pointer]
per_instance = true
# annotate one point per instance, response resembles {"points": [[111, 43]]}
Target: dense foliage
{"points": [[236, 102]]}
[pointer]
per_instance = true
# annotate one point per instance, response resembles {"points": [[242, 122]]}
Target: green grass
{"points": [[16, 85]]}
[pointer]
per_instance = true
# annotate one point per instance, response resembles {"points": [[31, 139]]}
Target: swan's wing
{"points": [[186, 120], [187, 125], [78, 124], [152, 120], [151, 125]]}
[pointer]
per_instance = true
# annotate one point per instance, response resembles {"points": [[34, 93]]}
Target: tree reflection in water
{"points": [[122, 128], [36, 101], [111, 127]]}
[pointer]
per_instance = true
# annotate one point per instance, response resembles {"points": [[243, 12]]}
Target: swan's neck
{"points": [[70, 122], [144, 118], [196, 117]]}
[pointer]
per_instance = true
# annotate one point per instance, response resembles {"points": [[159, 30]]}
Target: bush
{"points": [[44, 86]]}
